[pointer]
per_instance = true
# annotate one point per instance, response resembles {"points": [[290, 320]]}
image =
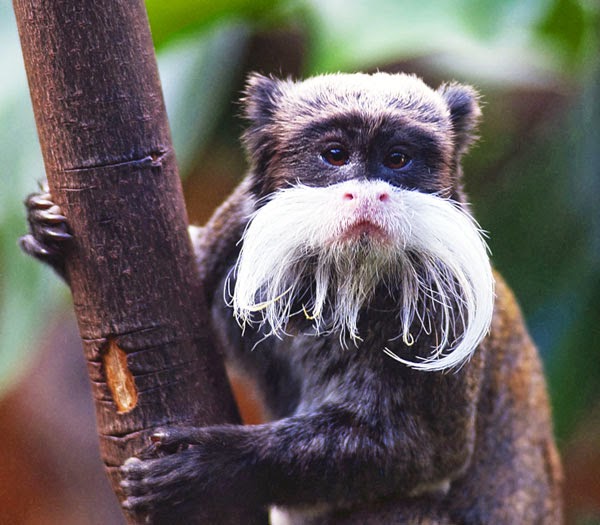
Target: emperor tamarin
{"points": [[348, 278]]}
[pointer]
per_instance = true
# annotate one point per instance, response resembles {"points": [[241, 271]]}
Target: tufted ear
{"points": [[465, 113], [260, 99]]}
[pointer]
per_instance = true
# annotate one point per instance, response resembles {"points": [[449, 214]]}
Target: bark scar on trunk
{"points": [[119, 379]]}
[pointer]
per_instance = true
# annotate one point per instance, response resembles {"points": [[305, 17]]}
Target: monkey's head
{"points": [[357, 188]]}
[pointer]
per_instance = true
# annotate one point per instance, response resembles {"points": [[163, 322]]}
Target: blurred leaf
{"points": [[364, 34], [197, 75], [565, 27], [349, 35], [509, 42], [574, 370], [177, 17]]}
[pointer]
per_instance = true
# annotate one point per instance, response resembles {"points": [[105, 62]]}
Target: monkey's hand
{"points": [[48, 231], [186, 469]]}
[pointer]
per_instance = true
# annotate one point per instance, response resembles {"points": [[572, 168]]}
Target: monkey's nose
{"points": [[365, 195]]}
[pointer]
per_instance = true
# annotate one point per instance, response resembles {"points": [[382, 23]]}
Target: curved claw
{"points": [[56, 235], [52, 215], [41, 201], [30, 245], [163, 436], [49, 216]]}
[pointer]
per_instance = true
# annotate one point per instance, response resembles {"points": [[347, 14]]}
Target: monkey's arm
{"points": [[331, 455]]}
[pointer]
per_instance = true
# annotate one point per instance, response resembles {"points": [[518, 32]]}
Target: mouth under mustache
{"points": [[425, 249], [364, 230]]}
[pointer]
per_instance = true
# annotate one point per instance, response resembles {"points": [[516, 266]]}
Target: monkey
{"points": [[347, 277]]}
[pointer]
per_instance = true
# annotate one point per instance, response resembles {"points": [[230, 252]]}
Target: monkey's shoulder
{"points": [[509, 338], [514, 382], [216, 244]]}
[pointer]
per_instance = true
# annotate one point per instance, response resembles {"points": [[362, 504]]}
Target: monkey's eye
{"points": [[336, 156], [396, 160]]}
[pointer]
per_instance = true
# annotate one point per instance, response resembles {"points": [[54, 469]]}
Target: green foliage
{"points": [[177, 17], [564, 25], [485, 39]]}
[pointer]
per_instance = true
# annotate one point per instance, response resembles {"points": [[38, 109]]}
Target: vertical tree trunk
{"points": [[110, 166]]}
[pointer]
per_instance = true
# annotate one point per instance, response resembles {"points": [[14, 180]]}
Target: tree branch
{"points": [[110, 166]]}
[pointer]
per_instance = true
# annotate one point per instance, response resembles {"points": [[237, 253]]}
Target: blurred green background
{"points": [[533, 179]]}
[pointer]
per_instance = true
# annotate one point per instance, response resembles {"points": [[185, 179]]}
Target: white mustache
{"points": [[427, 248]]}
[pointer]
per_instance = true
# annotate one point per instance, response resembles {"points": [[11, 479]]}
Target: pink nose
{"points": [[367, 196]]}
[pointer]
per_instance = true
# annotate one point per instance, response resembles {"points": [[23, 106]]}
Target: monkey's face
{"points": [[357, 182]]}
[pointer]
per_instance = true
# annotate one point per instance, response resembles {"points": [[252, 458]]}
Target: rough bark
{"points": [[110, 166]]}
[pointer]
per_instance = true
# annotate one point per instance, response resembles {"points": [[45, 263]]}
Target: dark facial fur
{"points": [[291, 124]]}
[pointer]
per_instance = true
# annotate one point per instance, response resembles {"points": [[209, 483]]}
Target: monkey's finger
{"points": [[48, 227], [52, 215], [55, 234], [40, 201], [133, 469], [134, 487], [31, 246], [137, 503], [176, 439]]}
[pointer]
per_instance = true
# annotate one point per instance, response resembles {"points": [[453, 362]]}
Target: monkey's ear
{"points": [[260, 99], [465, 113]]}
